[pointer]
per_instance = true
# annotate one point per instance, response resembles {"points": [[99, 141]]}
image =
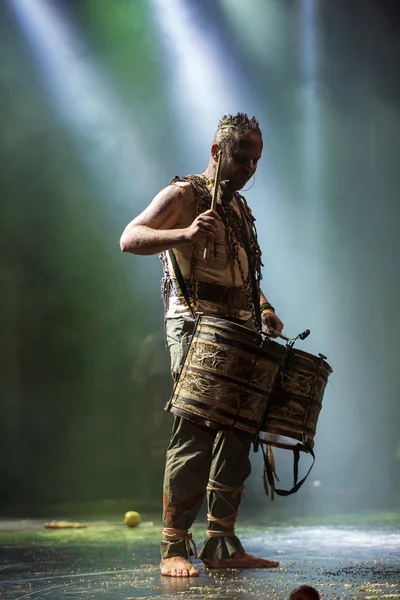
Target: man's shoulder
{"points": [[189, 180], [193, 186], [182, 184], [185, 187], [188, 194]]}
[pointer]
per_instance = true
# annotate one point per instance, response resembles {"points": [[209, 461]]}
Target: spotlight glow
{"points": [[82, 97], [311, 122], [257, 25], [203, 84]]}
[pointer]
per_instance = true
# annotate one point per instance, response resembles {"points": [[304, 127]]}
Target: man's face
{"points": [[241, 159]]}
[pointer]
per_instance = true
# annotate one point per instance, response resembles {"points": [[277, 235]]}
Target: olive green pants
{"points": [[196, 456]]}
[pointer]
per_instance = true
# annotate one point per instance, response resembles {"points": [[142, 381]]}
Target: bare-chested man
{"points": [[200, 459]]}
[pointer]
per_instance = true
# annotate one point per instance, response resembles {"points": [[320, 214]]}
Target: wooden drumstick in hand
{"points": [[275, 333], [279, 334], [215, 195]]}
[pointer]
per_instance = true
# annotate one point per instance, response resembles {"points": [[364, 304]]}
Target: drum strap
{"points": [[255, 289], [181, 281], [269, 470]]}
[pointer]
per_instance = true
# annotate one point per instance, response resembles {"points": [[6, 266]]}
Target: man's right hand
{"points": [[204, 226], [154, 230]]}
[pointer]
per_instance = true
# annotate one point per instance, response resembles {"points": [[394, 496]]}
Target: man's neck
{"points": [[211, 170]]}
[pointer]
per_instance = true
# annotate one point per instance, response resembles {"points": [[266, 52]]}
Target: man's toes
{"points": [[165, 571], [181, 568]]}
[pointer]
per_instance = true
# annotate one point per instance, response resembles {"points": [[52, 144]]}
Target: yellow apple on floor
{"points": [[132, 518]]}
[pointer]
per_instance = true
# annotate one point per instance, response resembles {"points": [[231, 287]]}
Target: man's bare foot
{"points": [[240, 560], [178, 566]]}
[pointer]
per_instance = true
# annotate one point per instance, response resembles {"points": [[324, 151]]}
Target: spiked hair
{"points": [[233, 127]]}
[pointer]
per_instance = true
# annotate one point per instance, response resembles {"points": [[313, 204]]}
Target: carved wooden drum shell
{"points": [[227, 377], [296, 400]]}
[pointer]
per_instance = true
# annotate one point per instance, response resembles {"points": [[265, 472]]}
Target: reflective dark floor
{"points": [[109, 561]]}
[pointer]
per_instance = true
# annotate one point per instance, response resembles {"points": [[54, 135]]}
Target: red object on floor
{"points": [[304, 592]]}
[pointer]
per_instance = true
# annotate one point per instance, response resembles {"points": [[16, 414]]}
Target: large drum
{"points": [[227, 377], [296, 400]]}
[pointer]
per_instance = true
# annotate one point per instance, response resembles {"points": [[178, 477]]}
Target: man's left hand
{"points": [[272, 322]]}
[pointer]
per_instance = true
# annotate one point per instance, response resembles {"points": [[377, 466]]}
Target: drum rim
{"points": [[263, 351], [296, 352], [280, 443], [214, 425]]}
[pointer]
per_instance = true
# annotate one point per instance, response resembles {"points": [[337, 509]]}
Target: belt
{"points": [[235, 297], [232, 296]]}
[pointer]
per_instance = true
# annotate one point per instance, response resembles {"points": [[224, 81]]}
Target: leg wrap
{"points": [[229, 521], [170, 534]]}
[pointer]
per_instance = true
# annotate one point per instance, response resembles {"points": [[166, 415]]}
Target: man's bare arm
{"points": [[263, 300], [153, 230], [268, 316]]}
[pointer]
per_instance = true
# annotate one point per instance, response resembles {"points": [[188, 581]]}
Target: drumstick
{"points": [[278, 334], [215, 193]]}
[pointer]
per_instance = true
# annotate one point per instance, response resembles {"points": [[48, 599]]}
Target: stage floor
{"points": [[110, 561]]}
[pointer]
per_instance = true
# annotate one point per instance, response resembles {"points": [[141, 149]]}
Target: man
{"points": [[179, 218]]}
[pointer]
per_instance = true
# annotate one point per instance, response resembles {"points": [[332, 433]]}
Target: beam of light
{"points": [[202, 82], [312, 162], [257, 26], [109, 140], [311, 112]]}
